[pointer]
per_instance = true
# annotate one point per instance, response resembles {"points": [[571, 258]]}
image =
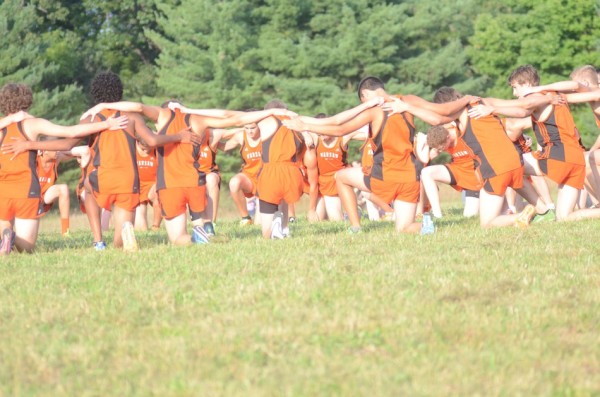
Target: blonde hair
{"points": [[587, 74]]}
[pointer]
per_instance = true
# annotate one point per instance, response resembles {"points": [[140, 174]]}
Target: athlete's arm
{"points": [[428, 116], [310, 161], [232, 142], [214, 113], [516, 126], [363, 118], [20, 145], [14, 118], [154, 140], [444, 109], [530, 102], [148, 111], [560, 86], [590, 96], [422, 148], [596, 144], [243, 118], [344, 116], [35, 127]]}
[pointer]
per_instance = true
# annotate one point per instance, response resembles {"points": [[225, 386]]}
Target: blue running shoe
{"points": [[209, 228], [427, 226], [99, 245], [199, 235]]}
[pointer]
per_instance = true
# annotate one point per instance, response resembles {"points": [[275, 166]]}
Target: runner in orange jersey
{"points": [[395, 174], [562, 156], [496, 157], [243, 185], [20, 191], [147, 163], [180, 183], [280, 180]]}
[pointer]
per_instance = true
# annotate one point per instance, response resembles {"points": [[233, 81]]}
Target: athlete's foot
{"points": [[209, 228], [276, 226], [99, 245], [292, 219], [354, 230], [427, 226], [155, 228], [525, 217], [246, 221], [437, 214], [8, 240], [129, 242], [199, 235], [388, 216], [286, 232], [66, 234], [547, 216]]}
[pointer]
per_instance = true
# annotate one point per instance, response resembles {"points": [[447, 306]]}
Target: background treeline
{"points": [[238, 54]]}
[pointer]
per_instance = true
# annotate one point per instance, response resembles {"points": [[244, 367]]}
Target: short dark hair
{"points": [[370, 83], [106, 87], [446, 94], [15, 97], [275, 104], [251, 110], [320, 116], [525, 74]]}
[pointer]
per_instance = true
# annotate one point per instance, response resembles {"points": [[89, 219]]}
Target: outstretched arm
{"points": [[37, 127], [590, 96], [154, 140], [515, 127], [151, 112], [241, 118], [214, 113], [344, 116], [444, 109], [363, 118], [560, 86], [20, 145], [428, 116], [14, 118]]}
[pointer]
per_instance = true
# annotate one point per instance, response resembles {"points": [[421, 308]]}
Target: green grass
{"points": [[462, 312]]}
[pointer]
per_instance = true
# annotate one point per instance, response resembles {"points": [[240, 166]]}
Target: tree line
{"points": [[238, 54]]}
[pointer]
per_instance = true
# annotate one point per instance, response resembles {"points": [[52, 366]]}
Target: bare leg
{"points": [[177, 230], [405, 217], [565, 204], [429, 176], [213, 192], [333, 207], [238, 185], [26, 233], [141, 217], [490, 209], [529, 194], [93, 212], [346, 180], [121, 216]]}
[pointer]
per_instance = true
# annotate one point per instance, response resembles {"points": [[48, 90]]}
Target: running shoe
{"points": [[199, 235], [8, 240], [276, 226], [547, 216], [525, 217], [129, 242], [209, 228], [247, 221], [427, 226], [99, 245]]}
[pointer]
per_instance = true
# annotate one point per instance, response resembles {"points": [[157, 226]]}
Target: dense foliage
{"points": [[310, 53]]}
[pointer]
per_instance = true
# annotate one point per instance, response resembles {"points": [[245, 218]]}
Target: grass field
{"points": [[462, 312]]}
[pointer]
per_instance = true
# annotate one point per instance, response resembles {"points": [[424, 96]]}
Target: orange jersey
{"points": [[558, 136], [284, 146], [18, 177], [114, 161], [252, 157], [394, 159], [178, 164], [494, 152], [46, 178], [147, 167], [597, 119], [331, 160], [366, 154], [206, 156], [461, 152]]}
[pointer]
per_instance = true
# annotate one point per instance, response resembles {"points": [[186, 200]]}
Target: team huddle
{"points": [[126, 167]]}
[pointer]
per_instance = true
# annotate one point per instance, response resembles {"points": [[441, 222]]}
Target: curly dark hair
{"points": [[525, 74], [437, 136], [106, 87], [15, 97]]}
